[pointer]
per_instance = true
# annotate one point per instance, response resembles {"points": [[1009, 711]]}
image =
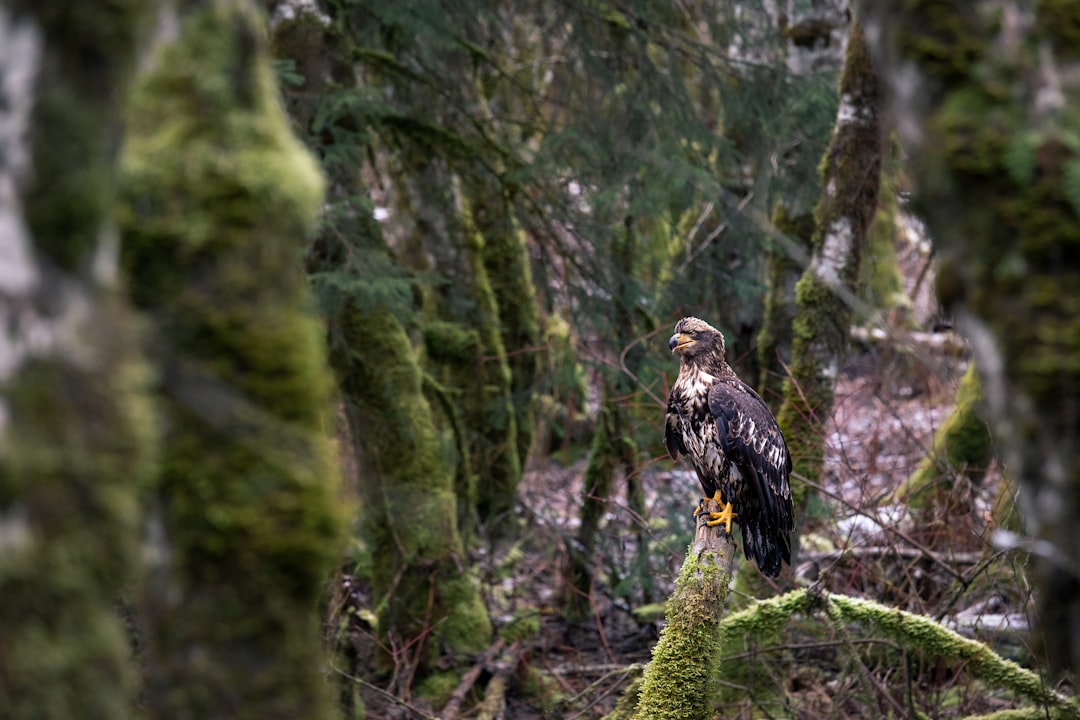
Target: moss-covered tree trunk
{"points": [[851, 173], [514, 346], [76, 433], [782, 272], [598, 487], [428, 603], [816, 38], [680, 680], [245, 521], [850, 176], [881, 285], [987, 98], [613, 447], [962, 448], [413, 473], [492, 418]]}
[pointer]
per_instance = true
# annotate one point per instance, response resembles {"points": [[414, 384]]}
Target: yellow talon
{"points": [[726, 515]]}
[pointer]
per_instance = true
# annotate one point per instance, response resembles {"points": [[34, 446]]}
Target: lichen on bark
{"points": [[219, 197]]}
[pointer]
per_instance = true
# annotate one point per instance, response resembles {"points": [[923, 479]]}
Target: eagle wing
{"points": [[754, 444], [672, 433]]}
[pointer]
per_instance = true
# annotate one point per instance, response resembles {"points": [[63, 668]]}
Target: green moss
{"points": [[410, 510], [775, 338], [937, 641], [438, 687], [219, 198], [961, 445], [86, 76], [598, 486], [492, 415], [942, 42], [819, 335], [851, 169], [507, 268], [881, 282], [75, 459], [542, 689], [680, 680], [524, 625], [764, 621], [451, 343], [627, 702]]}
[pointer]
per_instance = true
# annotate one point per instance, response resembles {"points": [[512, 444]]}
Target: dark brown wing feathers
{"points": [[752, 441], [672, 437]]}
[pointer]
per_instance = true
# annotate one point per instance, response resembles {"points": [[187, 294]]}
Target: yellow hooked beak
{"points": [[680, 341]]}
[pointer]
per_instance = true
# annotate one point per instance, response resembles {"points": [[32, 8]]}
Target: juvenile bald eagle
{"points": [[734, 444]]}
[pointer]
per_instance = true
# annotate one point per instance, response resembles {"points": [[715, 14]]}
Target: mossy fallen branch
{"points": [[982, 662], [680, 681], [767, 617], [1028, 713]]}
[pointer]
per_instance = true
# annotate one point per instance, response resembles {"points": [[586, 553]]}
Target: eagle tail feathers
{"points": [[766, 545]]}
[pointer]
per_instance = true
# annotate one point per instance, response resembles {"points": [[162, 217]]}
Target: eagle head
{"points": [[696, 339]]}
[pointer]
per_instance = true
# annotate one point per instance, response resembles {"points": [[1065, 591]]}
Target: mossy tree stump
{"points": [[680, 681]]}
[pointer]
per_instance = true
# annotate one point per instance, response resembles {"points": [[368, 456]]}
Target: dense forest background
{"points": [[334, 356]]}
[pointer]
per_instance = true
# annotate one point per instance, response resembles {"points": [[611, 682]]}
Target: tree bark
{"points": [[986, 98], [680, 681], [851, 173], [76, 430], [782, 272], [816, 40], [245, 520], [428, 603]]}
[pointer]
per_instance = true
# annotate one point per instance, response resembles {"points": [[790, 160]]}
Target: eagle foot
{"points": [[725, 517]]}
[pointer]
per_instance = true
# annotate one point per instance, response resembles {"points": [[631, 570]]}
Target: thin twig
{"points": [[453, 706]]}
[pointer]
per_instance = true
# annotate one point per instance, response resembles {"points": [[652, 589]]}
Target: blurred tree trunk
{"points": [[598, 486], [76, 430], [881, 285], [987, 98], [851, 172], [613, 447], [219, 200], [451, 222], [514, 340]]}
